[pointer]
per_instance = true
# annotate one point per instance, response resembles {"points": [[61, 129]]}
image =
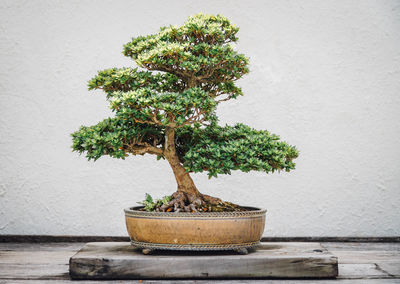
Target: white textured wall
{"points": [[325, 75]]}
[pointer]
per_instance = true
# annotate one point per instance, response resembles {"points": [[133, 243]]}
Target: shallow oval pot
{"points": [[195, 231]]}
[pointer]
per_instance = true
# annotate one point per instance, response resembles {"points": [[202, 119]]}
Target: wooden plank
{"points": [[358, 257], [33, 271], [36, 261], [351, 246], [41, 246], [367, 253], [392, 268], [35, 257], [361, 271], [252, 281], [273, 260], [34, 264], [19, 269]]}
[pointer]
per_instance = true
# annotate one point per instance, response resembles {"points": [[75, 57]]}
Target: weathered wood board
{"points": [[119, 260]]}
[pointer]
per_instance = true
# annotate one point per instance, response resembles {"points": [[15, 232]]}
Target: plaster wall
{"points": [[325, 76]]}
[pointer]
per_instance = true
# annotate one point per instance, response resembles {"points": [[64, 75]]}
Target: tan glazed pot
{"points": [[195, 231]]}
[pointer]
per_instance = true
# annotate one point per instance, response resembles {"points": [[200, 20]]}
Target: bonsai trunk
{"points": [[183, 179], [187, 197]]}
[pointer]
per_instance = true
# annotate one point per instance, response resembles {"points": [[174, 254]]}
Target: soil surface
{"points": [[186, 202]]}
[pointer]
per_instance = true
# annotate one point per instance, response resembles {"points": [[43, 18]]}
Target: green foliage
{"points": [[113, 137], [128, 79], [190, 70], [144, 105], [150, 204], [199, 50], [219, 150]]}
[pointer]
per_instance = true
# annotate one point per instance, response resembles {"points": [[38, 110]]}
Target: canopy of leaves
{"points": [[116, 137], [215, 149], [190, 69], [199, 52], [167, 109], [219, 150], [199, 65], [131, 79]]}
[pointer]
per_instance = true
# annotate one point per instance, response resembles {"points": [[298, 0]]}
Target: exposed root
{"points": [[186, 202]]}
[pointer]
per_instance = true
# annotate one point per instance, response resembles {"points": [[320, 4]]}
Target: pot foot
{"points": [[242, 251], [147, 251]]}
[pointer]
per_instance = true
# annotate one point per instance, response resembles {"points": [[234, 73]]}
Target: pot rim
{"points": [[253, 212]]}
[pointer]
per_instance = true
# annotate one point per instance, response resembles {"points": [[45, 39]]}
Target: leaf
{"points": [[148, 198]]}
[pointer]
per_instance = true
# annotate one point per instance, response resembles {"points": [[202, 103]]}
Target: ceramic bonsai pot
{"points": [[202, 231]]}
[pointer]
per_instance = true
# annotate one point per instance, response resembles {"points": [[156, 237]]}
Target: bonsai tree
{"points": [[169, 110]]}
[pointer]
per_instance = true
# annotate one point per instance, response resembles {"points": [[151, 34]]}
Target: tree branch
{"points": [[142, 148], [194, 118]]}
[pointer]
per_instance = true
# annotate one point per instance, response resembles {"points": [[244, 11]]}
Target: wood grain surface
{"points": [[358, 264], [271, 260]]}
